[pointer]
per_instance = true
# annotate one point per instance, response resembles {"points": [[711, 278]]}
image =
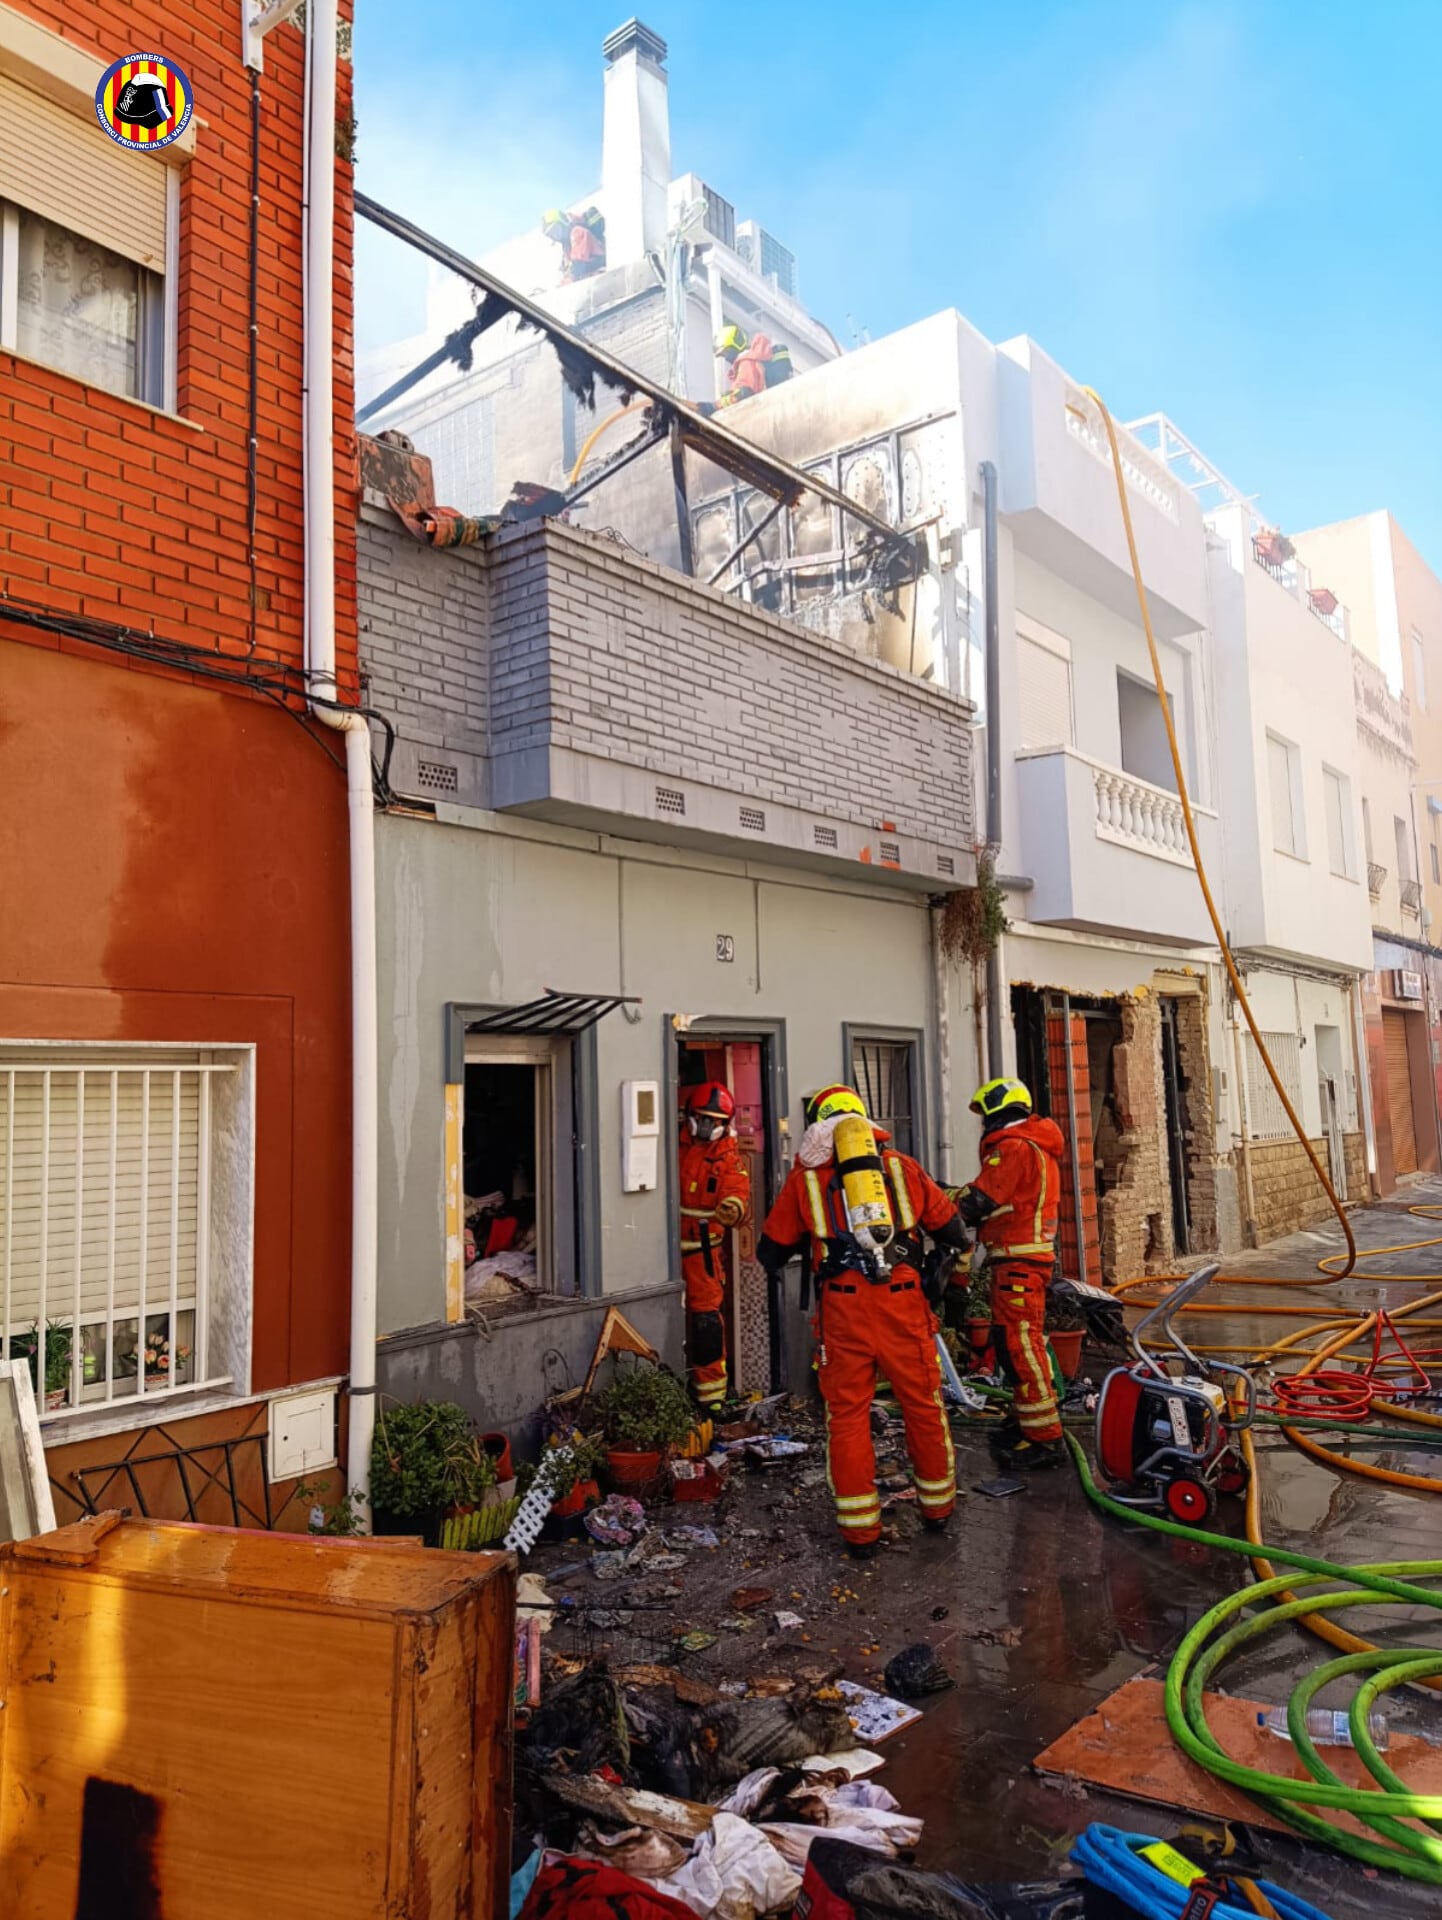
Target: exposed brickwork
{"points": [[551, 638], [1136, 1223], [119, 511], [1070, 1241], [1287, 1193], [1197, 1119]]}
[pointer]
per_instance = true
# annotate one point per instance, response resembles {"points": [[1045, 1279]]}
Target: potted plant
{"points": [[574, 1486], [427, 1464], [157, 1357], [1065, 1330], [26, 1346], [645, 1411]]}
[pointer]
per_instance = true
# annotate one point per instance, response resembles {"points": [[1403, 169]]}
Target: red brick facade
{"points": [[1070, 1241], [117, 510]]}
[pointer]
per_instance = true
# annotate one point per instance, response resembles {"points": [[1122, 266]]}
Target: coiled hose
{"points": [[1385, 1810], [1114, 1860]]}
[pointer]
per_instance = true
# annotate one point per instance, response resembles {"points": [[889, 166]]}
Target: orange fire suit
{"points": [[585, 254], [748, 371], [864, 1326], [1013, 1205], [715, 1197]]}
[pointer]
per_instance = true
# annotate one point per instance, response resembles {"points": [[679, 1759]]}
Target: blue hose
{"points": [[1112, 1859]]}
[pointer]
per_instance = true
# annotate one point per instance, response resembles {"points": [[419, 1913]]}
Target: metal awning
{"points": [[553, 1013]]}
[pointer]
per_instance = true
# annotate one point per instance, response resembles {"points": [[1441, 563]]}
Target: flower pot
{"points": [[499, 1448], [1068, 1347], [577, 1500], [629, 1469], [56, 1398]]}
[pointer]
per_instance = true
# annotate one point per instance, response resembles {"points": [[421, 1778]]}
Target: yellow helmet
{"points": [[552, 218], [996, 1094], [731, 339], [832, 1101]]}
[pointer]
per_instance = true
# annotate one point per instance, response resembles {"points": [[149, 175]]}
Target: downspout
{"points": [[940, 980], [994, 1064], [1244, 1129], [320, 661], [1362, 1075]]}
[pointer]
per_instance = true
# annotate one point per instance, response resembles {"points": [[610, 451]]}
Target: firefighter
{"points": [[715, 1197], [581, 238], [747, 361], [1012, 1204], [871, 1312]]}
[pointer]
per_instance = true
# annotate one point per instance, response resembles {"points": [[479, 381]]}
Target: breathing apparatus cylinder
{"points": [[863, 1183]]}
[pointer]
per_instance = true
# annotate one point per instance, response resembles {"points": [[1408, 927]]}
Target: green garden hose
{"points": [[1390, 1810]]}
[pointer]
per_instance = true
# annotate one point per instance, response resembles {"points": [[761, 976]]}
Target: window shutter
{"points": [[1279, 769], [66, 170], [60, 1161], [1045, 695]]}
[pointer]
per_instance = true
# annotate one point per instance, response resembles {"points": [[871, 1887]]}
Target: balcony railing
{"points": [[1292, 575], [1133, 813], [1411, 896], [1375, 876]]}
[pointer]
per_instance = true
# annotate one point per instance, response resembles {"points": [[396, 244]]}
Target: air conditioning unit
{"points": [[765, 255], [720, 217]]}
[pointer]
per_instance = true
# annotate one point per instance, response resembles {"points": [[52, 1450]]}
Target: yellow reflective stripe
{"points": [[816, 1201], [1026, 1246], [872, 1499], [696, 1213], [997, 1212], [937, 1499], [934, 1486], [1041, 1187], [906, 1213], [859, 1521]]}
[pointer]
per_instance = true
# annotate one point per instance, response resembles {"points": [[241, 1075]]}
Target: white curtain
{"points": [[78, 306]]}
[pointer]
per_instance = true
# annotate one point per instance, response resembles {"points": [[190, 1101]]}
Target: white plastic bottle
{"points": [[1329, 1727]]}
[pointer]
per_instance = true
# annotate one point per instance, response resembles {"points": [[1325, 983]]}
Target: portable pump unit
{"points": [[1166, 1429]]}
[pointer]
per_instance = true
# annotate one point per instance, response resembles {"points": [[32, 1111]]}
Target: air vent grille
{"points": [[436, 777], [670, 800], [945, 863], [890, 853], [753, 819], [824, 836]]}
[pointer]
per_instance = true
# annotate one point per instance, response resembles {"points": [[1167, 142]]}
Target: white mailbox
{"points": [[640, 1135]]}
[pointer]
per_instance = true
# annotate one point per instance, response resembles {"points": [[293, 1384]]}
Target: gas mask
{"points": [[705, 1126]]}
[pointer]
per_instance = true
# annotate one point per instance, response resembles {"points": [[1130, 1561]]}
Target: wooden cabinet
{"points": [[206, 1724]]}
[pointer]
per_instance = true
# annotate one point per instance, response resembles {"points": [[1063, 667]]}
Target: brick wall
{"points": [[1287, 1193], [555, 639], [1075, 1206], [117, 510]]}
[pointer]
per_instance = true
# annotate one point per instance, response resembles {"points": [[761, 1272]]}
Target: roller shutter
{"points": [[65, 169], [1399, 1091]]}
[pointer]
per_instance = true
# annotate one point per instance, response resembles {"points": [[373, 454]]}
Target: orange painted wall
{"points": [[119, 511]]}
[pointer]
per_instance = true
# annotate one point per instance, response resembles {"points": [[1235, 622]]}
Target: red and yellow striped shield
{"points": [[143, 101]]}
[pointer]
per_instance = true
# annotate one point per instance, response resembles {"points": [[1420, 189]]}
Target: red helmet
{"points": [[712, 1099]]}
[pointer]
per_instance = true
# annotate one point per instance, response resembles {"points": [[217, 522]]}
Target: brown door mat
{"points": [[1127, 1748]]}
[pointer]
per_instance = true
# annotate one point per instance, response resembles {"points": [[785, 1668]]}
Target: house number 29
{"points": [[725, 946]]}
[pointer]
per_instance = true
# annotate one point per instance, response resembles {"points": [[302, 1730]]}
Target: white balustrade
{"points": [[1133, 813]]}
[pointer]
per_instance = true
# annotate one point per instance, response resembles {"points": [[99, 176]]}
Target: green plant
{"points": [[973, 919], [343, 1516], [26, 1346], [586, 1451], [426, 1458], [644, 1408]]}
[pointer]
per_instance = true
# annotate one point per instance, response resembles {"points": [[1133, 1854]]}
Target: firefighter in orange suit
{"points": [[1012, 1204], [872, 1314], [715, 1197]]}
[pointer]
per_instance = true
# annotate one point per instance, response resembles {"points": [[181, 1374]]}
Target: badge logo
{"points": [[143, 101]]}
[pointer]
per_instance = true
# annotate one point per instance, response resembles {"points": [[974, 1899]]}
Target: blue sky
{"points": [[1231, 212]]}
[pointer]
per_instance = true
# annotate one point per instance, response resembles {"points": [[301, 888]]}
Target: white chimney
{"points": [[636, 143]]}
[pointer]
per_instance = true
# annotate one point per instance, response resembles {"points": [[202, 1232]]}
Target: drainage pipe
{"points": [[320, 662], [994, 1062]]}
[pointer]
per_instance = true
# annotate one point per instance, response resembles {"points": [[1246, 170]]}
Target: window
{"points": [[1146, 754], [1337, 798], [86, 285], [1436, 866], [1044, 703], [124, 1221], [1367, 828], [519, 1215], [1403, 836], [1419, 669], [884, 1073], [1266, 1116], [1284, 779]]}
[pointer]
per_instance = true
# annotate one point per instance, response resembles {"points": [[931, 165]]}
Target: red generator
{"points": [[1166, 1426]]}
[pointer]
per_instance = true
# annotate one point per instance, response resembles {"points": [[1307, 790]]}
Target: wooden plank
{"points": [[1127, 1748], [77, 1545]]}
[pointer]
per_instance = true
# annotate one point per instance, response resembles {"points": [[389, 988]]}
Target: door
{"points": [[1399, 1090], [1176, 1128], [1331, 1093]]}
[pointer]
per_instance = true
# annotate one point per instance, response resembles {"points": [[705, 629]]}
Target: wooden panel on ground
{"points": [[1126, 1747], [298, 1727]]}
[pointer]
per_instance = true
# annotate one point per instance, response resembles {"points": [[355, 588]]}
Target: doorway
{"points": [[745, 1063], [1331, 1094], [1399, 1088], [1176, 1124]]}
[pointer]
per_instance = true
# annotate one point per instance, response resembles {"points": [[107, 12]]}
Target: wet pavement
{"points": [[1089, 1603]]}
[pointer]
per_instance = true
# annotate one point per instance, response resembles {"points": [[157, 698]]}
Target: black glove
{"points": [[936, 1271]]}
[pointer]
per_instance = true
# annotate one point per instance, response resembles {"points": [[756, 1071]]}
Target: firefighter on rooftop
{"points": [[872, 1316], [1013, 1206], [715, 1198]]}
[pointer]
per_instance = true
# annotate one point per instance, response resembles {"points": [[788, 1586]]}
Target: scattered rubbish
{"points": [[664, 1562], [582, 1721], [733, 1873], [531, 1515], [736, 1622], [775, 1451], [734, 1689], [610, 1566], [630, 1806], [1328, 1727], [740, 1735], [854, 1763], [578, 1888], [787, 1622], [695, 1641], [638, 1850], [684, 1538], [843, 1879], [749, 1599], [915, 1672], [994, 1636], [619, 1521], [698, 1479], [769, 1686], [522, 1880], [874, 1716], [940, 1613], [999, 1488]]}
